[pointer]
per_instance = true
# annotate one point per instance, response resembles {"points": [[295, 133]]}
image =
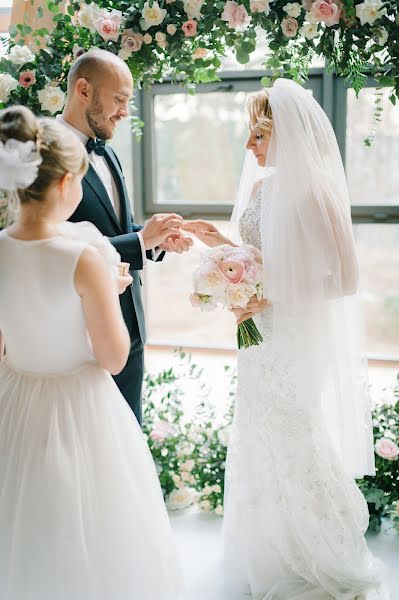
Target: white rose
{"points": [[219, 510], [193, 8], [260, 6], [51, 99], [381, 36], [370, 11], [171, 29], [309, 30], [176, 478], [152, 15], [205, 505], [239, 295], [207, 490], [20, 55], [179, 499], [87, 15], [293, 9], [216, 488], [160, 38], [7, 85]]}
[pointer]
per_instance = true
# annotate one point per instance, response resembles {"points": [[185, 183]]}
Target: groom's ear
{"points": [[84, 90]]}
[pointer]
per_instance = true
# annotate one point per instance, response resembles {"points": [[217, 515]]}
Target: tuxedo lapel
{"points": [[97, 185], [121, 187]]}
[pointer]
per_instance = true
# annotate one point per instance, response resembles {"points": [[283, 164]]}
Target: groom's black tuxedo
{"points": [[97, 208]]}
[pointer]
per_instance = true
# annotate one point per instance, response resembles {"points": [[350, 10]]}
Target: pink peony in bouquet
{"points": [[229, 276]]}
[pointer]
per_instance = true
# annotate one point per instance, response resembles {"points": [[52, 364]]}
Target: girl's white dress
{"points": [[81, 511]]}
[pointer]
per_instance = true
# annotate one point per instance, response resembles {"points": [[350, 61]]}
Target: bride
{"points": [[294, 516]]}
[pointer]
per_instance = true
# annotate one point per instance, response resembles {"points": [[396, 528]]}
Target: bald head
{"points": [[100, 87], [95, 66]]}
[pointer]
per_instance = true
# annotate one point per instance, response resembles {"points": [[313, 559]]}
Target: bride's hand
{"points": [[206, 233], [253, 308]]}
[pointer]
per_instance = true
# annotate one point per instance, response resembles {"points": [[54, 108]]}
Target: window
{"points": [[190, 160]]}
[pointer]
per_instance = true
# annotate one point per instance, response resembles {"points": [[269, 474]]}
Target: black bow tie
{"points": [[97, 146]]}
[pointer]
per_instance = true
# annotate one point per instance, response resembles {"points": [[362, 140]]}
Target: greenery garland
{"points": [[185, 40]]}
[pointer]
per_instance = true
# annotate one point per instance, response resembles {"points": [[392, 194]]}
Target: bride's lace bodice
{"points": [[249, 225]]}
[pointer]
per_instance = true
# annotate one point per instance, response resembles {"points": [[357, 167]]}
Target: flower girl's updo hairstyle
{"points": [[260, 112], [60, 149]]}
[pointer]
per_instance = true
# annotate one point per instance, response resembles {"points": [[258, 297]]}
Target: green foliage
{"points": [[352, 50]]}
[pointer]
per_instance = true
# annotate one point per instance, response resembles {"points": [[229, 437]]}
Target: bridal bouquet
{"points": [[229, 276]]}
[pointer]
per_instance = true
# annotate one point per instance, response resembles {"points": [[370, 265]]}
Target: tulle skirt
{"points": [[81, 511]]}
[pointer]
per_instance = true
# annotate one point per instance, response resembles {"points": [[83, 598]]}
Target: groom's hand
{"points": [[177, 243], [159, 228]]}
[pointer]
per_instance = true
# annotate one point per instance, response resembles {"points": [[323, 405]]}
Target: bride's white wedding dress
{"points": [[294, 519], [81, 511]]}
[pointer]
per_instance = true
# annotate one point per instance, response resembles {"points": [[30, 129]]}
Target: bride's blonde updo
{"points": [[260, 112], [60, 149]]}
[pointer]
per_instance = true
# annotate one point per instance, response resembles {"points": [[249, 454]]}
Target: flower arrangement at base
{"points": [[190, 451], [185, 40], [382, 491]]}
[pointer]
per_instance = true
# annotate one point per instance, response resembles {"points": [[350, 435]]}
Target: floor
{"points": [[199, 547]]}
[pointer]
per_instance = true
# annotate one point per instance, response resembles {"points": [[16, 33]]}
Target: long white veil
{"points": [[311, 270]]}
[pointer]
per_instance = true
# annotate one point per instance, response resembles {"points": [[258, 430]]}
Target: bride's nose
{"points": [[249, 144]]}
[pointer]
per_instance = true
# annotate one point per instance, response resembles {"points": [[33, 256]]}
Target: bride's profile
{"points": [[294, 517]]}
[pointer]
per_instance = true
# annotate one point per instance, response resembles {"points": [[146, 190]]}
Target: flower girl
{"points": [[81, 511]]}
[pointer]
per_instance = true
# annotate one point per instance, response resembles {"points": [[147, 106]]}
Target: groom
{"points": [[100, 87]]}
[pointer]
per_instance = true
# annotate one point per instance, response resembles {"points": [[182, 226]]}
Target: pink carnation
{"points": [[326, 11], [108, 25], [27, 78], [235, 14], [190, 28], [387, 449], [232, 270]]}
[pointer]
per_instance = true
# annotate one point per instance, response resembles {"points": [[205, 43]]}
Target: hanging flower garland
{"points": [[185, 41]]}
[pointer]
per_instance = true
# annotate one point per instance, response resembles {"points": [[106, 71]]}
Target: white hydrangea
{"points": [[20, 55]]}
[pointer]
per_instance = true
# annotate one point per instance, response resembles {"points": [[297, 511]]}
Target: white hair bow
{"points": [[19, 164]]}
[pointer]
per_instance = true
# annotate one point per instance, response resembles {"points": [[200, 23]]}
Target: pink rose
{"points": [[108, 25], [232, 270], [307, 4], [27, 78], [131, 40], [190, 28], [235, 14], [289, 26], [387, 449], [326, 11]]}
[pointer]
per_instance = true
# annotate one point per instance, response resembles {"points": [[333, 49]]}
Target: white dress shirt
{"points": [[102, 169]]}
